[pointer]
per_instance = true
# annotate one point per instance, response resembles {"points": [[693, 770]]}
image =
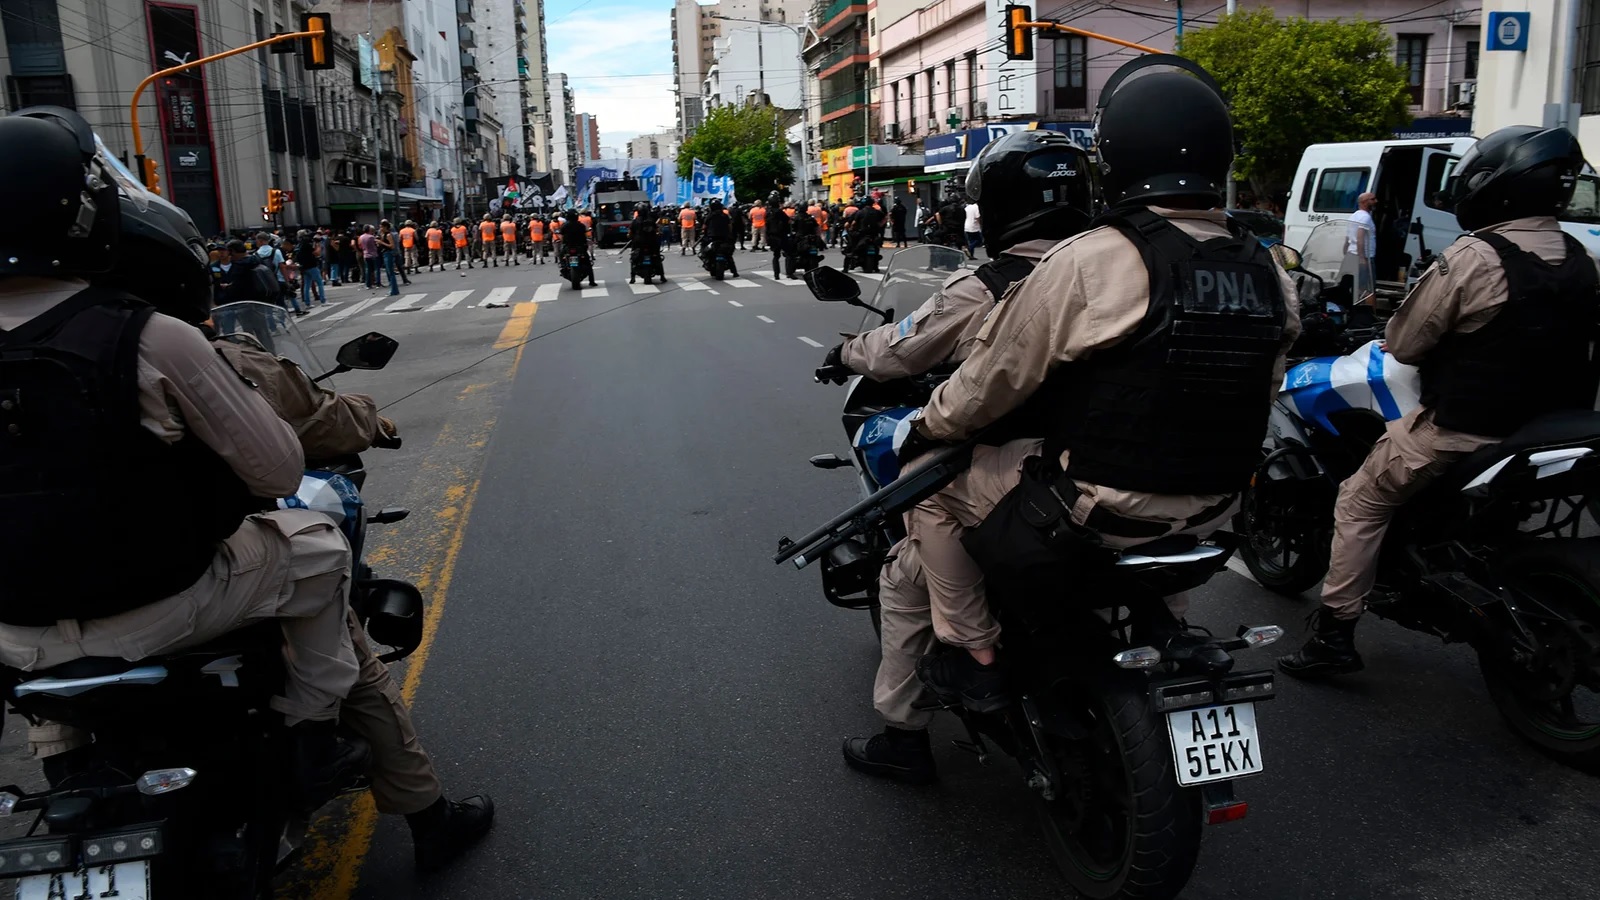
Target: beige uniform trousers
{"points": [[292, 565], [931, 590], [1411, 454]]}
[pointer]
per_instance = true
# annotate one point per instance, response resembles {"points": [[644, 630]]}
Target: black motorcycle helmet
{"points": [[1518, 171], [1163, 134], [161, 258], [1030, 185], [63, 195]]}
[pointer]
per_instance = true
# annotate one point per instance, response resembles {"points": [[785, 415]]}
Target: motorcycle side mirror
{"points": [[372, 350], [832, 286], [1286, 256], [392, 612]]}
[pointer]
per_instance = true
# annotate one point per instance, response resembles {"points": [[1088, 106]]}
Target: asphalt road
{"points": [[596, 485]]}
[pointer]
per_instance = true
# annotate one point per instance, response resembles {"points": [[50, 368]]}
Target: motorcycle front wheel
{"points": [[1553, 699], [1120, 826], [1283, 541]]}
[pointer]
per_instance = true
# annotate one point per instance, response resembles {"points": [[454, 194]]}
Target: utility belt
{"points": [[1031, 530]]}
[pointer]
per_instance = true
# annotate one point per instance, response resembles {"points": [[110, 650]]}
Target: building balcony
{"points": [[844, 55], [465, 37], [463, 10], [838, 14], [469, 62], [522, 25], [843, 103]]}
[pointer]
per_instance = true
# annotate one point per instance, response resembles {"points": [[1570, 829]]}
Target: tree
{"points": [[1293, 82], [742, 142]]}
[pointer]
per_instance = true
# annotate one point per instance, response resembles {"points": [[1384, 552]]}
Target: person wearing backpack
{"points": [[309, 259]]}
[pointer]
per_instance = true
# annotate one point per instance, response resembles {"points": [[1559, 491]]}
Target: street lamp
{"points": [[805, 107]]}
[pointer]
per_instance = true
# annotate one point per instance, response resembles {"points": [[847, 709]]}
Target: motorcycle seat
{"points": [[1550, 431]]}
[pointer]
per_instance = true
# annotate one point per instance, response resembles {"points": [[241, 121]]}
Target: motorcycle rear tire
{"points": [[1290, 579], [577, 282], [1162, 834], [1564, 574]]}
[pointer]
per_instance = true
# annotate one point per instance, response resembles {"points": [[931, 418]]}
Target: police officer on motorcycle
{"points": [[717, 235], [865, 227], [643, 238], [1501, 326], [155, 460], [575, 239], [1106, 392]]}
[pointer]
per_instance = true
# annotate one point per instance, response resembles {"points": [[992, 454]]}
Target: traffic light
{"points": [[316, 52], [266, 214], [1019, 40], [152, 179], [274, 201]]}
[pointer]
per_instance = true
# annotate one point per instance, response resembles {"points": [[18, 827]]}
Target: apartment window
{"points": [[931, 96], [950, 83], [972, 82], [1071, 72], [1471, 69], [911, 101], [1589, 58], [33, 39], [1411, 52]]}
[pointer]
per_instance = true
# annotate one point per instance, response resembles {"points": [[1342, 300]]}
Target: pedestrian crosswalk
{"points": [[477, 301]]}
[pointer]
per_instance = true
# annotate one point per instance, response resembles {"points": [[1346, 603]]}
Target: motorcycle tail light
{"points": [[38, 855], [1231, 812], [1261, 635], [121, 846]]}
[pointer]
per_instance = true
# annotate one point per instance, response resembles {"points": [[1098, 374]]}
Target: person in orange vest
{"points": [[487, 234], [818, 215], [458, 234], [536, 238], [408, 246], [435, 237], [508, 239], [758, 226], [685, 229], [588, 226]]}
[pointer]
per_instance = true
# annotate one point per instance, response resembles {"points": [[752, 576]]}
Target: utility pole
{"points": [[377, 132], [1232, 186]]}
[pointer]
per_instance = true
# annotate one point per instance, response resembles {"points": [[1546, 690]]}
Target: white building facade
{"points": [[563, 129], [758, 64], [1555, 81]]}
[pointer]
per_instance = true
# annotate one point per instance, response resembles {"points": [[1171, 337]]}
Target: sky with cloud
{"points": [[618, 56]]}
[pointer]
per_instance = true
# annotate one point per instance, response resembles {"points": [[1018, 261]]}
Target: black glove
{"points": [[835, 356], [833, 367], [910, 443]]}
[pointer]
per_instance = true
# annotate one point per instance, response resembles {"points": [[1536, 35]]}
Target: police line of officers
{"points": [[1097, 338]]}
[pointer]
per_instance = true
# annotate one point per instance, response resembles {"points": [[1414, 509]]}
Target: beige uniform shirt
{"points": [[1462, 291], [941, 330], [185, 387], [328, 424], [1089, 293]]}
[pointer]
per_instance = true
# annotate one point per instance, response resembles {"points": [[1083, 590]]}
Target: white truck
{"points": [[1407, 177]]}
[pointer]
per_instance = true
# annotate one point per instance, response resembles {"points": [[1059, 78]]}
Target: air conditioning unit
{"points": [[891, 131], [933, 126], [1463, 94], [980, 109]]}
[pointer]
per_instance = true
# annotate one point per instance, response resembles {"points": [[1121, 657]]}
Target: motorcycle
{"points": [[647, 263], [806, 255], [182, 792], [716, 259], [864, 256], [576, 267], [1127, 728], [1489, 554]]}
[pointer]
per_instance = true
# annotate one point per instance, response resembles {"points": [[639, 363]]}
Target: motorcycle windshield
{"points": [[1340, 253], [913, 275], [273, 328]]}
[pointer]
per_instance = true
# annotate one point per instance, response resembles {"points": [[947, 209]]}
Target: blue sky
{"points": [[618, 55]]}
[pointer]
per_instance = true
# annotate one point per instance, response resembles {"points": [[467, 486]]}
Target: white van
{"points": [[1406, 176]]}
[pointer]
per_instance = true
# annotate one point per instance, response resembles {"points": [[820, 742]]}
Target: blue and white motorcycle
{"points": [[1490, 554]]}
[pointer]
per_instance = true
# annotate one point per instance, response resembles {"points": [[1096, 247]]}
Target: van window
{"points": [[1433, 181], [1305, 190], [1585, 205], [1339, 188]]}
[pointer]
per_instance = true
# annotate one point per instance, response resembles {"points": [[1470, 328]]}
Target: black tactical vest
{"points": [[97, 515], [1534, 357], [998, 275], [1181, 405]]}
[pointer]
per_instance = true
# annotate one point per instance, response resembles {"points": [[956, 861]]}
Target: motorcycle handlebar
{"points": [[387, 443]]}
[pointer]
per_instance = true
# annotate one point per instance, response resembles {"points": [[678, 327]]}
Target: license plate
{"points": [[124, 881], [1215, 742]]}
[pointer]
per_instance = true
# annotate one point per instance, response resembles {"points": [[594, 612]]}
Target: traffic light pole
{"points": [[138, 139]]}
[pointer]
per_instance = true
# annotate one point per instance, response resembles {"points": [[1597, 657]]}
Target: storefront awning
{"points": [[349, 196]]}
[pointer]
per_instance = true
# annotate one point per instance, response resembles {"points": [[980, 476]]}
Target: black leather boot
{"points": [[1331, 649], [898, 754], [442, 831], [956, 678]]}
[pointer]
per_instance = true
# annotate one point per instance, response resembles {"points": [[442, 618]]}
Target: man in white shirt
{"points": [[1363, 236], [974, 231]]}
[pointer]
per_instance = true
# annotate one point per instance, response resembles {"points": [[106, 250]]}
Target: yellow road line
{"points": [[345, 870]]}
